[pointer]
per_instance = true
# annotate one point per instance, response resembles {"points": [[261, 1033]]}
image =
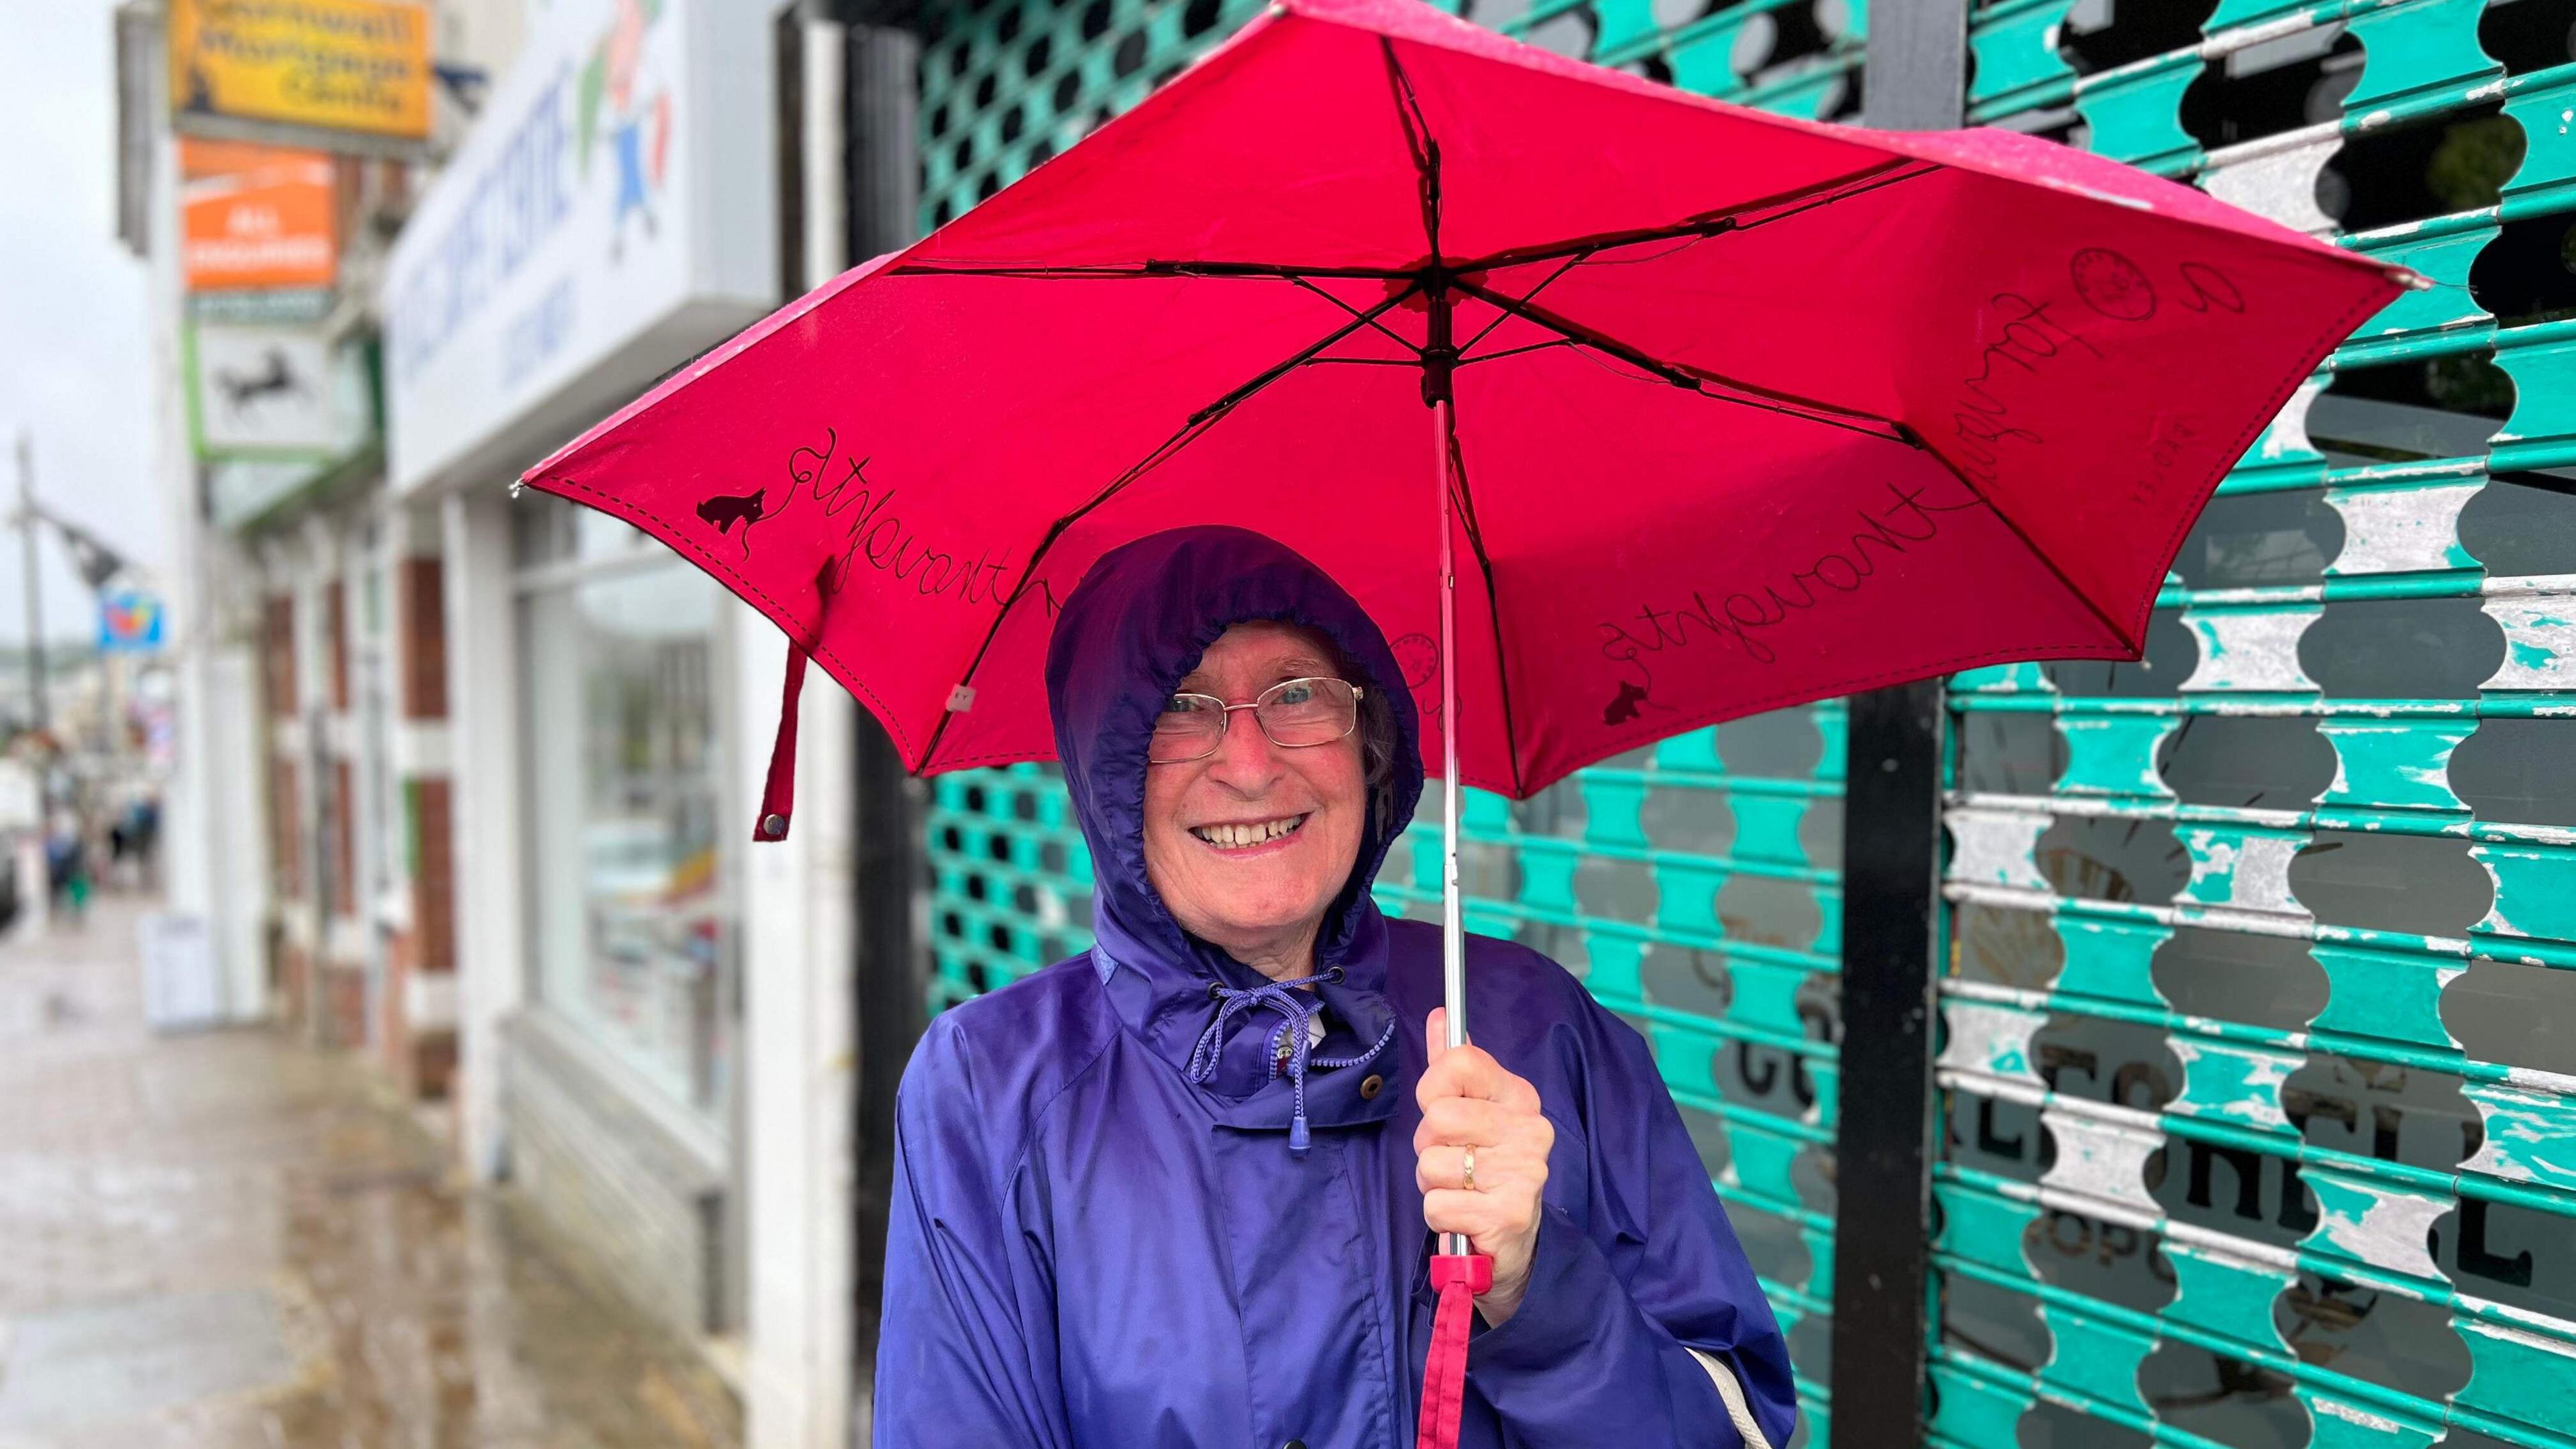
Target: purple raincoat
{"points": [[1095, 1243]]}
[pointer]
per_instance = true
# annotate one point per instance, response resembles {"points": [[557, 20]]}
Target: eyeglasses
{"points": [[1294, 714]]}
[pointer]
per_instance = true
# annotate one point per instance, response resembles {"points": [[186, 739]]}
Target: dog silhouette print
{"points": [[1623, 707], [725, 510]]}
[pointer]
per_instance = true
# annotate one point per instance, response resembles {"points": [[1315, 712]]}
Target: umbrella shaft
{"points": [[1453, 931], [1453, 936]]}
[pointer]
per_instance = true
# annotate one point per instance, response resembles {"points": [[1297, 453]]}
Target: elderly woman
{"points": [[1181, 1189]]}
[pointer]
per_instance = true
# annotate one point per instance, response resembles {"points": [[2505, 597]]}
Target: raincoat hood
{"points": [[1129, 632], [1134, 628]]}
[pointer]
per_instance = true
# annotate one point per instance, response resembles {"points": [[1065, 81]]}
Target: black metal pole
{"points": [[40, 716], [1884, 1315], [879, 165]]}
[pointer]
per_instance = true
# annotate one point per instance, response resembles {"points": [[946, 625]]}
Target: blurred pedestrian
{"points": [[67, 865]]}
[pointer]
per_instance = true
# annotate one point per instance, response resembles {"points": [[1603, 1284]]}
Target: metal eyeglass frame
{"points": [[1217, 742]]}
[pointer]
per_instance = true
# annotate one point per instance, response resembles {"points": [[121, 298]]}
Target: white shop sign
{"points": [[611, 215], [268, 390]]}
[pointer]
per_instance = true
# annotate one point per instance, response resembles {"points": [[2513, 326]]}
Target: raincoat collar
{"points": [[1134, 626]]}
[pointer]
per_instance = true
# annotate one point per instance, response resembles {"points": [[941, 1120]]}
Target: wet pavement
{"points": [[219, 1240]]}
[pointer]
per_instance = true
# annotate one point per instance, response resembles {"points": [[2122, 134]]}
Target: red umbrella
{"points": [[1721, 411]]}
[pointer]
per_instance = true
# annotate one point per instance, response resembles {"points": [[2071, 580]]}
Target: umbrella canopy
{"points": [[1620, 411], [1736, 410]]}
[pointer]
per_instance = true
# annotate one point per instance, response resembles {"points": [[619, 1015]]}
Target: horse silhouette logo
{"points": [[275, 378]]}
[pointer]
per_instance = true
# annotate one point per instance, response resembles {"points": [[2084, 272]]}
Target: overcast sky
{"points": [[74, 346]]}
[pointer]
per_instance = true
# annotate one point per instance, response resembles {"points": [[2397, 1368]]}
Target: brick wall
{"points": [[393, 1019], [286, 828], [344, 835], [337, 621], [424, 625], [295, 982], [344, 1006], [278, 647], [430, 1053], [433, 877]]}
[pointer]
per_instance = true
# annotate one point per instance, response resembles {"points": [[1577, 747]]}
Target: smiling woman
{"points": [[1251, 826], [1125, 1216]]}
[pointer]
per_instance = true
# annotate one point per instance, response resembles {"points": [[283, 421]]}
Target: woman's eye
{"points": [[1297, 692], [1183, 704]]}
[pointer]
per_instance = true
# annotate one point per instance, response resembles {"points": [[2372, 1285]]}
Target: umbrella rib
{"points": [[1501, 316], [1493, 608], [1696, 379], [1795, 406], [1878, 178], [1418, 140], [1713, 223], [1197, 424], [1517, 351], [1400, 339], [1919, 442]]}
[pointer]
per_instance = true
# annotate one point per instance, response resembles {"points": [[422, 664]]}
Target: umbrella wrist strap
{"points": [[1458, 1280], [778, 792]]}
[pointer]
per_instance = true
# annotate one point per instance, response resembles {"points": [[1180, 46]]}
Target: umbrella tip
{"points": [[518, 486], [2410, 279]]}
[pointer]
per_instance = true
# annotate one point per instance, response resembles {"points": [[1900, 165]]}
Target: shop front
{"points": [[610, 216]]}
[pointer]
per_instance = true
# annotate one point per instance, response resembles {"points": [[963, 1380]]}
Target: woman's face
{"points": [[1261, 903]]}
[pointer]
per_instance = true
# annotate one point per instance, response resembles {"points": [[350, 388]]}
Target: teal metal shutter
{"points": [[1694, 885], [2260, 1073]]}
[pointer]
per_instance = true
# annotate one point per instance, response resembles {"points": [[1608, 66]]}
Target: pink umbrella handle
{"points": [[1444, 1371]]}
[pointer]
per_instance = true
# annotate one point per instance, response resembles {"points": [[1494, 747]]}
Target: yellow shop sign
{"points": [[326, 65]]}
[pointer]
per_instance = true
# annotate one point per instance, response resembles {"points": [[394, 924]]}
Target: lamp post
{"points": [[35, 604]]}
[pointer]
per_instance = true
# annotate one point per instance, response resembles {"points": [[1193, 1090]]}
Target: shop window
{"points": [[2262, 762], [2103, 35], [2299, 79], [2170, 657], [630, 911], [2402, 649], [2233, 976], [2397, 174], [2528, 35], [2250, 540], [2528, 273]]}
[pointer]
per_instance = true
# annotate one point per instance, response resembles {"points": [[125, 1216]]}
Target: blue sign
{"points": [[129, 622]]}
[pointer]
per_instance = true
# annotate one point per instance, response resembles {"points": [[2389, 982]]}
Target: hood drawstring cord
{"points": [[1289, 1039]]}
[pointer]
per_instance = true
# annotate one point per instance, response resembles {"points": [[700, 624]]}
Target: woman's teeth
{"points": [[1236, 837]]}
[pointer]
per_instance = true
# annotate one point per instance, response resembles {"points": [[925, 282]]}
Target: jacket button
{"points": [[1370, 1086]]}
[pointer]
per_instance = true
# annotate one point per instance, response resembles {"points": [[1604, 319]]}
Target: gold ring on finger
{"points": [[1471, 1169]]}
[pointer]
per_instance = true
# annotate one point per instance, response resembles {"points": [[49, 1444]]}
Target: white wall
{"points": [[799, 927], [214, 804], [797, 958], [484, 726]]}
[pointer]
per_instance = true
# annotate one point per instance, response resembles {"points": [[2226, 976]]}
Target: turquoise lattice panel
{"points": [[1010, 879], [1005, 86], [1797, 57], [2260, 948]]}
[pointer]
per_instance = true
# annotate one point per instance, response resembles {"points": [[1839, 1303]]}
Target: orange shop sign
{"points": [[346, 66], [256, 216]]}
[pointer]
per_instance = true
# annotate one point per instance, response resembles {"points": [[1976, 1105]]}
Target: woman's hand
{"points": [[1470, 1102]]}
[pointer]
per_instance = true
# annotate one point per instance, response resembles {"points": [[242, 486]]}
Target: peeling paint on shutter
{"points": [[2282, 919]]}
